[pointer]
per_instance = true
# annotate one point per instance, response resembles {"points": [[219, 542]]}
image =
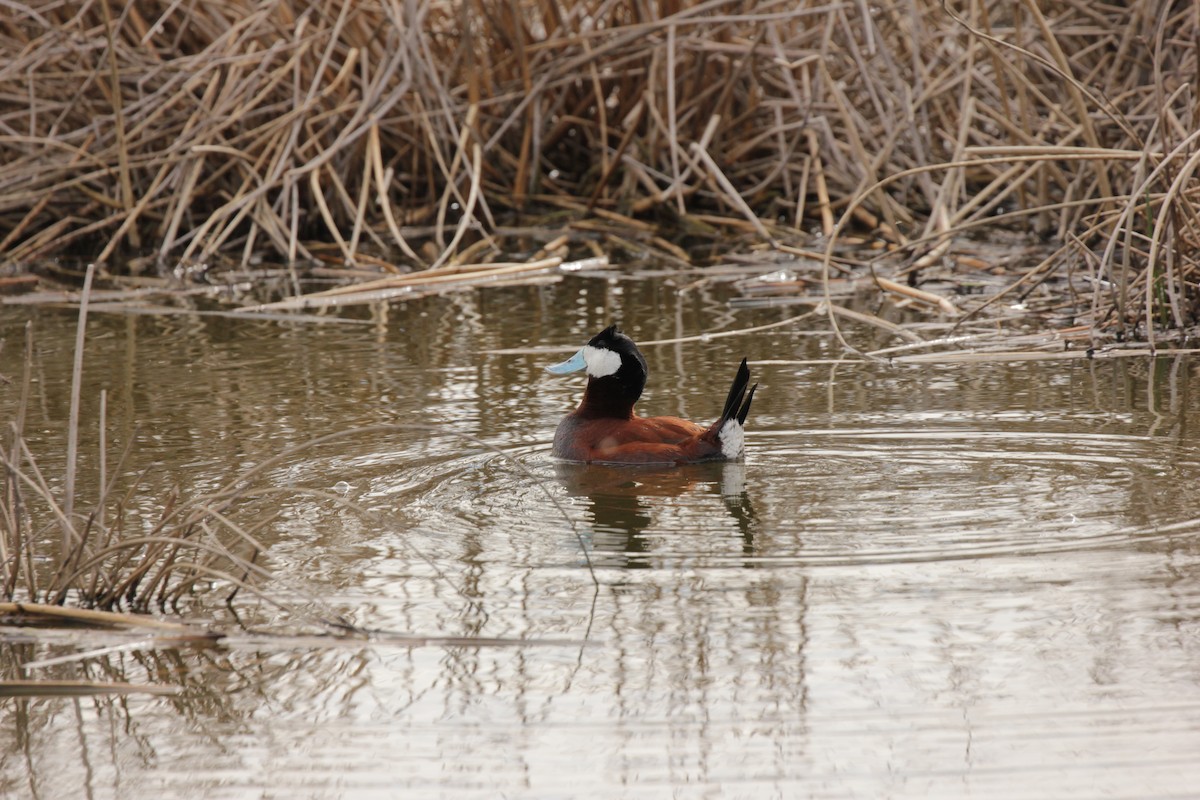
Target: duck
{"points": [[605, 428]]}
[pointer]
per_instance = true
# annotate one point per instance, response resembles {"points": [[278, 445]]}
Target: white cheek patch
{"points": [[733, 439], [600, 362]]}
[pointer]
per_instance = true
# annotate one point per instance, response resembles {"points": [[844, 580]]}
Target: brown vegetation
{"points": [[102, 554], [407, 134]]}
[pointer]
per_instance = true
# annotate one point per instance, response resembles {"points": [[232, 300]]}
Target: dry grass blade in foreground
{"points": [[404, 132], [111, 554], [54, 551]]}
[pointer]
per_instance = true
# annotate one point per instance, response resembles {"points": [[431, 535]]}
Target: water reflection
{"points": [[945, 581], [625, 504]]}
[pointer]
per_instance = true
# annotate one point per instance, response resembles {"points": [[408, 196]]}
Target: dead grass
{"points": [[407, 135], [124, 551], [56, 548]]}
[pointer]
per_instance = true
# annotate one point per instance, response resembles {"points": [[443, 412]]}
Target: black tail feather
{"points": [[745, 410], [733, 404]]}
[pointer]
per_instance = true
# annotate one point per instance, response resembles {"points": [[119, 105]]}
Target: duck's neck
{"points": [[606, 398]]}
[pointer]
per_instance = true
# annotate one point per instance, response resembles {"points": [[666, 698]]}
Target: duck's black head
{"points": [[630, 373], [616, 373]]}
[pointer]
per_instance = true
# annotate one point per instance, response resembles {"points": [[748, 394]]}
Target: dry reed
{"points": [[405, 133], [55, 549], [107, 554]]}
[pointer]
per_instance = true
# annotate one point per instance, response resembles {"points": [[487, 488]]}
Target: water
{"points": [[927, 581]]}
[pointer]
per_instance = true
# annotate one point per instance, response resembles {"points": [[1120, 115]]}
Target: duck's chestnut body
{"points": [[604, 428]]}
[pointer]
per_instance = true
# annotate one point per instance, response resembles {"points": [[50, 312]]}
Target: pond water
{"points": [[976, 580]]}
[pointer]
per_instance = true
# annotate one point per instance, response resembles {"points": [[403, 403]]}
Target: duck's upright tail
{"points": [[728, 430]]}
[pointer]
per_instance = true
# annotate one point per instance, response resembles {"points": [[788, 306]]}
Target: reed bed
{"points": [[102, 555], [406, 136], [104, 560]]}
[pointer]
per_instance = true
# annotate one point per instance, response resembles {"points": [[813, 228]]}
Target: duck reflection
{"points": [[627, 506]]}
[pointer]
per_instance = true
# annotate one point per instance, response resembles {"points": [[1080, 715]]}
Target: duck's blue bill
{"points": [[572, 364]]}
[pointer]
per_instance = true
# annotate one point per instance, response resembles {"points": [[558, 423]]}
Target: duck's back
{"points": [[640, 440]]}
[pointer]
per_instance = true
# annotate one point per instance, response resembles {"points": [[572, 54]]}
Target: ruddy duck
{"points": [[605, 428]]}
